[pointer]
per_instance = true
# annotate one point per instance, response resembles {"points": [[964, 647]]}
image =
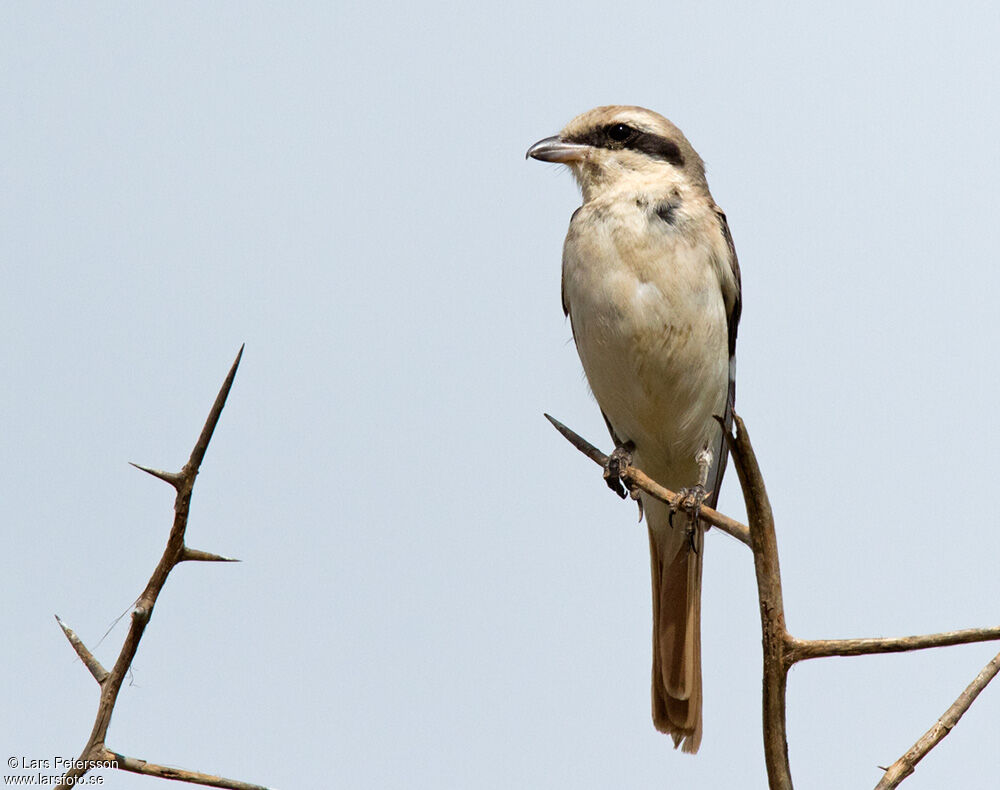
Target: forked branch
{"points": [[781, 649], [96, 753]]}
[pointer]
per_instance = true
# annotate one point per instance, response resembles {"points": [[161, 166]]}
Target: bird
{"points": [[651, 285]]}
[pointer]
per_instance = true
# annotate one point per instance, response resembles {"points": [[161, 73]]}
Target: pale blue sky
{"points": [[437, 591]]}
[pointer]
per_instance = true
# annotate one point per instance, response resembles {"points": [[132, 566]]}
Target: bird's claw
{"points": [[620, 458], [689, 500]]}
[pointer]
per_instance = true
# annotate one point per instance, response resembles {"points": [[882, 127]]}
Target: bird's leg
{"points": [[690, 500], [620, 458]]}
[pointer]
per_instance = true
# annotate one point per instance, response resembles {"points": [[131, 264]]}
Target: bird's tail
{"points": [[676, 556]]}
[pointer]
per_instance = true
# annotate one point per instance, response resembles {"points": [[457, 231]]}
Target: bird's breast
{"points": [[649, 322]]}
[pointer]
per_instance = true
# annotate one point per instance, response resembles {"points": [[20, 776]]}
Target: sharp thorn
{"points": [[200, 446], [173, 478], [93, 665], [196, 555]]}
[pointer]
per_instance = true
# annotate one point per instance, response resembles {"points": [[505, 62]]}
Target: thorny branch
{"points": [[781, 649], [96, 750]]}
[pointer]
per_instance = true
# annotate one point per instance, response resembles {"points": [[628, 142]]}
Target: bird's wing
{"points": [[734, 307], [565, 307], [565, 304], [562, 283]]}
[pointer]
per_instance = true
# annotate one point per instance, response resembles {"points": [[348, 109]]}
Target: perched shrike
{"points": [[651, 285]]}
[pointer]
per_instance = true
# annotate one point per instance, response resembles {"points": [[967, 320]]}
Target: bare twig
{"points": [[781, 649], [166, 772], [803, 649], [906, 764], [96, 751]]}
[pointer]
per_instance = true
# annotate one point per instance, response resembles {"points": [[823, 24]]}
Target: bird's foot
{"points": [[690, 500], [620, 458]]}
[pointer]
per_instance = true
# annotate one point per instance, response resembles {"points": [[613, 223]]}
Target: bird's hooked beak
{"points": [[554, 149]]}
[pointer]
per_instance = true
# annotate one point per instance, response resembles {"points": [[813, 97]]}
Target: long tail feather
{"points": [[676, 571]]}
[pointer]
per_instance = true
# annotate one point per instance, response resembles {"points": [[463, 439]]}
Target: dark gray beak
{"points": [[552, 149]]}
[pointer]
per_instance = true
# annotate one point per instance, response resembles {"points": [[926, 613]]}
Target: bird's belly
{"points": [[656, 358]]}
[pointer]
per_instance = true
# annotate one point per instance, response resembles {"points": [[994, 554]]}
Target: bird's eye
{"points": [[620, 132]]}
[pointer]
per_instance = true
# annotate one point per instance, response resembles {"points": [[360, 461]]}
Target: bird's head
{"points": [[620, 147]]}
